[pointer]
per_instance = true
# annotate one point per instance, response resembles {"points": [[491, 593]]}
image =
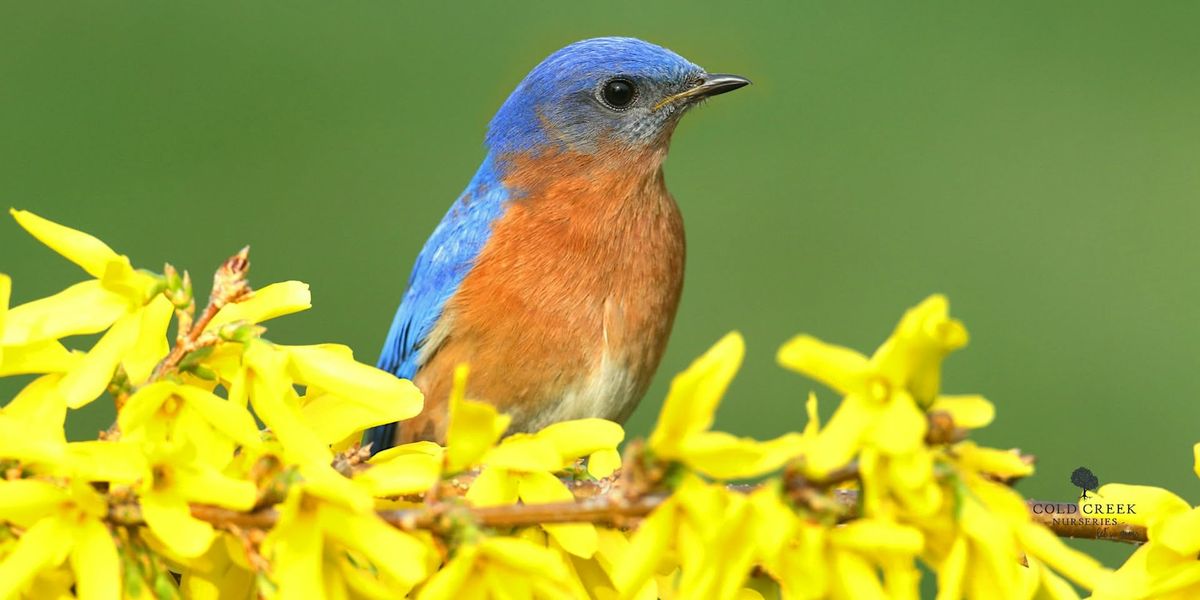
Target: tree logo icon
{"points": [[1085, 480]]}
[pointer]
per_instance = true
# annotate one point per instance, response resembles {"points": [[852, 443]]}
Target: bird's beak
{"points": [[711, 84]]}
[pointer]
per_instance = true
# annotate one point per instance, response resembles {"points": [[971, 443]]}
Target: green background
{"points": [[1037, 162]]}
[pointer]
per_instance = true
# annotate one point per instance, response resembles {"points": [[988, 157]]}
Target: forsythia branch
{"points": [[603, 503]]}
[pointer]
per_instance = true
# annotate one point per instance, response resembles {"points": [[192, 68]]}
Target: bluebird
{"points": [[556, 274]]}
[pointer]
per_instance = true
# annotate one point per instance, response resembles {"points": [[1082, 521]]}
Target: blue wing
{"points": [[443, 263]]}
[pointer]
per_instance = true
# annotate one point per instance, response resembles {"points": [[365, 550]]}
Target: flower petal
{"points": [[169, 517], [970, 411], [581, 437], [334, 418], [647, 547], [150, 347], [78, 247], [695, 393], [541, 488], [900, 427], [404, 474], [875, 535], [525, 557], [448, 582], [19, 441], [92, 375], [840, 368], [275, 300], [144, 404], [914, 352], [25, 501], [81, 309], [474, 426], [842, 436], [209, 486], [38, 414], [298, 546], [427, 448], [493, 487], [5, 296], [1179, 532], [724, 456], [813, 426], [102, 460], [95, 562], [1046, 547], [42, 546], [857, 578], [1151, 503], [603, 463], [952, 572], [400, 555], [524, 453], [230, 419], [337, 373], [1002, 463], [269, 386], [46, 356]]}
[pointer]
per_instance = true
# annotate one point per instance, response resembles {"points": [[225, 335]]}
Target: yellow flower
{"points": [[119, 299], [61, 524], [45, 356], [221, 572], [802, 566], [994, 532], [1166, 566], [714, 535], [682, 433], [406, 469], [268, 378], [275, 300], [499, 567], [885, 394], [1005, 464], [5, 296], [902, 482], [473, 429], [523, 466], [31, 425], [319, 546], [164, 409], [173, 479], [344, 396], [864, 546]]}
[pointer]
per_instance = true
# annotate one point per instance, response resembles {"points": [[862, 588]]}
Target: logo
{"points": [[1084, 479], [1088, 511]]}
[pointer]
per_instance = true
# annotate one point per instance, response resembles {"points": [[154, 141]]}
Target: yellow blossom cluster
{"points": [[232, 471], [1167, 566]]}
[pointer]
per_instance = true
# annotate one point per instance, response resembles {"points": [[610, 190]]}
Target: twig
{"points": [[229, 286], [1066, 520], [610, 509]]}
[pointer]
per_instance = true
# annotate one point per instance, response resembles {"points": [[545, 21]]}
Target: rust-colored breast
{"points": [[568, 309]]}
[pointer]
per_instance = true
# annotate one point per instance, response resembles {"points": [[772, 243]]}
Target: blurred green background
{"points": [[1038, 162]]}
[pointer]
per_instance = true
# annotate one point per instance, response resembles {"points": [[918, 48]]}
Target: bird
{"points": [[557, 273]]}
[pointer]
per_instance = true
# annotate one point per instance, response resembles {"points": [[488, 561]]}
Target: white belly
{"points": [[610, 392]]}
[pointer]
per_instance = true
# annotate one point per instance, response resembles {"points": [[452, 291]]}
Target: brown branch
{"points": [[627, 496], [1066, 520], [601, 502]]}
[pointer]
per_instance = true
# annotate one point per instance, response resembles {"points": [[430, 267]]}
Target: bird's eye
{"points": [[618, 94]]}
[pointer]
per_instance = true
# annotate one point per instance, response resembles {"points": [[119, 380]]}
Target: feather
{"points": [[445, 260]]}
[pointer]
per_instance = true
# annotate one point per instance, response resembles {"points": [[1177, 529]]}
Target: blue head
{"points": [[609, 90]]}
